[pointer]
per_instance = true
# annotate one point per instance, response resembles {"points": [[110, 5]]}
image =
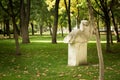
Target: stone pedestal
{"points": [[77, 54]]}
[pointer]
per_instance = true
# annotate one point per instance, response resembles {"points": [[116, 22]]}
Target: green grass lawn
{"points": [[41, 60]]}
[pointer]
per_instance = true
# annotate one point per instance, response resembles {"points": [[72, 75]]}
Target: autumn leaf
{"points": [[18, 76], [38, 74], [26, 72], [4, 75], [82, 79], [61, 74], [44, 74], [79, 75]]}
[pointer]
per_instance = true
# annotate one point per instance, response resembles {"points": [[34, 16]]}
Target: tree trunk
{"points": [[50, 29], [1, 31], [16, 36], [111, 38], [8, 28], [98, 19], [78, 16], [24, 21], [41, 30], [99, 49], [69, 18], [32, 28], [115, 26], [107, 23], [4, 29], [104, 7], [68, 14], [62, 30], [12, 14], [54, 36], [14, 28]]}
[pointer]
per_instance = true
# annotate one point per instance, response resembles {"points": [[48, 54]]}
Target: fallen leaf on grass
{"points": [[61, 74], [74, 76], [38, 74], [13, 60], [3, 75], [26, 72], [109, 68], [18, 76], [49, 64], [36, 68], [79, 75], [46, 70], [44, 74], [17, 67], [25, 68]]}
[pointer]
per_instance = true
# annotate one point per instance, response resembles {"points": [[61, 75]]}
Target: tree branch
{"points": [[111, 5], [99, 5], [97, 12], [102, 2], [66, 6]]}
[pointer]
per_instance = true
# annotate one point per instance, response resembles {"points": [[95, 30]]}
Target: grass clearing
{"points": [[41, 60]]}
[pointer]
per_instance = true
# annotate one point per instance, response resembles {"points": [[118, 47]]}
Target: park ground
{"points": [[42, 60]]}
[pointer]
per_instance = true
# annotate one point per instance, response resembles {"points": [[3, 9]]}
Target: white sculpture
{"points": [[77, 44]]}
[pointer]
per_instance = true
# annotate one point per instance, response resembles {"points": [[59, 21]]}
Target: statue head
{"points": [[83, 25]]}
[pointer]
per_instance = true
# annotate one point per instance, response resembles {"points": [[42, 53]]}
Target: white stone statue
{"points": [[77, 44]]}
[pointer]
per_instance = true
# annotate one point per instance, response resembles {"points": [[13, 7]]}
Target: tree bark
{"points": [[107, 23], [12, 14], [54, 36], [24, 20], [78, 16], [115, 26], [4, 30], [14, 28], [32, 28], [16, 36], [8, 28], [69, 18], [41, 30], [50, 29], [62, 30], [99, 49], [98, 19], [103, 5], [68, 14]]}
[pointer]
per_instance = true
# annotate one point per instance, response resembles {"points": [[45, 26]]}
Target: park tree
{"points": [[114, 10], [54, 35], [5, 20], [47, 18], [64, 16], [62, 21], [67, 6], [24, 20], [7, 27], [78, 14], [105, 7], [99, 49], [8, 7], [41, 14], [35, 15]]}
